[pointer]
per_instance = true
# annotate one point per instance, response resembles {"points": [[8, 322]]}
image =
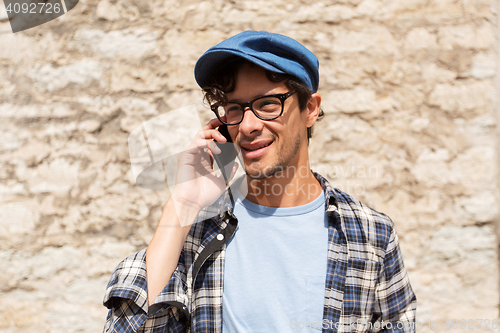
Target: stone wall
{"points": [[410, 128]]}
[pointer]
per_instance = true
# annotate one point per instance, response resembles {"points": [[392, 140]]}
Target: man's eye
{"points": [[268, 104], [233, 108]]}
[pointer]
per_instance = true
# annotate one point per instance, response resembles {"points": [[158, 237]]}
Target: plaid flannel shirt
{"points": [[366, 286]]}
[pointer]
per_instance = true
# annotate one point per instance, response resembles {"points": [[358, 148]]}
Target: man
{"points": [[295, 254]]}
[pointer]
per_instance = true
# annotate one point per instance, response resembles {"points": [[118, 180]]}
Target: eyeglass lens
{"points": [[266, 108]]}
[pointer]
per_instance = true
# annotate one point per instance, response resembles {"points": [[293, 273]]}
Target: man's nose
{"points": [[250, 122]]}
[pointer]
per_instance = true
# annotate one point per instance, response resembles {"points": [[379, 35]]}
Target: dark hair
{"points": [[222, 82]]}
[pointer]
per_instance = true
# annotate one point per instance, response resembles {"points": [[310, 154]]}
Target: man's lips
{"points": [[255, 145], [255, 149]]}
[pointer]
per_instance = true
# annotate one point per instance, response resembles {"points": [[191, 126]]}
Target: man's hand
{"points": [[197, 184]]}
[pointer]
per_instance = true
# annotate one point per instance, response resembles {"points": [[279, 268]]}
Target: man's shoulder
{"points": [[352, 206], [362, 225], [365, 228]]}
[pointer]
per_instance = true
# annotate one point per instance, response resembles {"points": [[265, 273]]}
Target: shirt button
{"points": [[220, 237]]}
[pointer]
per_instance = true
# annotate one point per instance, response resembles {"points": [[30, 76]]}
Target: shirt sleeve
{"points": [[126, 299], [396, 303]]}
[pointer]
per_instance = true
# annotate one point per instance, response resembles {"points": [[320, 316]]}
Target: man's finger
{"points": [[212, 124], [233, 171], [213, 134], [213, 147]]}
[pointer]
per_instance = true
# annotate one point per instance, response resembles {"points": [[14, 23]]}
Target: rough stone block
{"points": [[137, 107], [483, 66], [375, 40], [59, 175], [436, 74], [82, 73], [107, 11], [455, 244], [16, 219], [89, 126], [129, 43], [466, 36], [480, 208], [420, 38], [131, 78], [475, 96], [348, 101], [318, 12]]}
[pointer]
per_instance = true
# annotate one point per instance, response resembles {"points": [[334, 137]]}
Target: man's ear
{"points": [[312, 109]]}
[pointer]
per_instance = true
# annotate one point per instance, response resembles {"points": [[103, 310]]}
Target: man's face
{"points": [[268, 147]]}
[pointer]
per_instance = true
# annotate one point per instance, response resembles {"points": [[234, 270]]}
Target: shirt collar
{"points": [[225, 204], [331, 203]]}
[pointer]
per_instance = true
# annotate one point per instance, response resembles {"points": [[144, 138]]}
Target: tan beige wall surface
{"points": [[409, 94]]}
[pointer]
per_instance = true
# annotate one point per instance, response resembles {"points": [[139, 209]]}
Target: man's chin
{"points": [[262, 172]]}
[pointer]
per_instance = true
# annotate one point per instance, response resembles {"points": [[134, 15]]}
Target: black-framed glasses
{"points": [[266, 107]]}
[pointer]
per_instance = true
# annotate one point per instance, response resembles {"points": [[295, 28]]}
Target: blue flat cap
{"points": [[274, 52]]}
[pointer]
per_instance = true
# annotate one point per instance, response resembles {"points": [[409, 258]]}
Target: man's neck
{"points": [[294, 186]]}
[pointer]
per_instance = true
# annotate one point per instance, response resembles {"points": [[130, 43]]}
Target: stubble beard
{"points": [[284, 156]]}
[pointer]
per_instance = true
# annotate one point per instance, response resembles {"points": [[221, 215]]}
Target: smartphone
{"points": [[225, 160]]}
